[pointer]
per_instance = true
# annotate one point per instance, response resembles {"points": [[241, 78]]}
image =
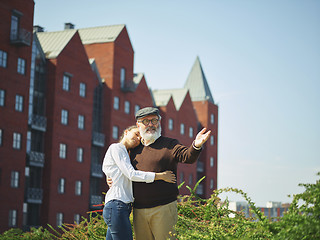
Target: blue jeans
{"points": [[116, 215]]}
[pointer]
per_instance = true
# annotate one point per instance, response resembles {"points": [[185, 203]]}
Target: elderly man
{"points": [[155, 205]]}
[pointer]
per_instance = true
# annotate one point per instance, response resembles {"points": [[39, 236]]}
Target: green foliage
{"points": [[208, 219]]}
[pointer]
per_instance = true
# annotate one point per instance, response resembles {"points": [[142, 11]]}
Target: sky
{"points": [[262, 63]]}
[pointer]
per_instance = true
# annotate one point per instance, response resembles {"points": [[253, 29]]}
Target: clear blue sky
{"points": [[262, 63]]}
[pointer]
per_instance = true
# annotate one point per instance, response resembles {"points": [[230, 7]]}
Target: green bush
{"points": [[209, 219]]}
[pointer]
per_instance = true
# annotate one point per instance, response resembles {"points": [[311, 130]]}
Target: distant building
{"points": [[65, 96]]}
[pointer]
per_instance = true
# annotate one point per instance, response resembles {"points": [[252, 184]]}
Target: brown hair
{"points": [[127, 129]]}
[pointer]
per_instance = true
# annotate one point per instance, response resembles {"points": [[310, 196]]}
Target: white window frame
{"points": [[78, 188], [127, 107], [136, 108], [19, 103], [64, 116], [212, 118], [116, 103], [81, 121], [14, 29], [63, 151], [13, 215], [115, 132], [211, 183], [2, 97], [82, 90], [21, 66], [76, 218], [14, 179], [170, 124], [191, 132], [79, 154], [59, 219], [122, 77], [211, 161], [66, 82], [61, 186], [182, 129], [16, 140], [211, 140], [3, 58]]}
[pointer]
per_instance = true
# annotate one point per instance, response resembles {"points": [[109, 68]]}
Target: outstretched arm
{"points": [[201, 138]]}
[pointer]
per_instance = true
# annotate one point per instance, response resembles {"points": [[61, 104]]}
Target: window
{"points": [[2, 97], [80, 154], [136, 108], [14, 27], [16, 141], [211, 140], [12, 218], [61, 186], [81, 122], [190, 179], [21, 69], [190, 132], [211, 183], [181, 177], [63, 150], [82, 90], [64, 117], [116, 103], [66, 82], [211, 161], [76, 218], [115, 132], [59, 219], [3, 59], [127, 107], [212, 119], [19, 103], [170, 124], [78, 188], [182, 129], [122, 77], [14, 179], [0, 137]]}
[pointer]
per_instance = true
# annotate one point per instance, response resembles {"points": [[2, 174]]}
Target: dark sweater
{"points": [[164, 154]]}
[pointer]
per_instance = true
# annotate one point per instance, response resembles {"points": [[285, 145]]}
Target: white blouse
{"points": [[117, 165]]}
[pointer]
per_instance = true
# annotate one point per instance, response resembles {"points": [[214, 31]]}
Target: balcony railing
{"points": [[128, 86], [34, 195], [95, 200], [36, 159], [98, 139], [20, 37], [38, 122], [199, 189], [96, 170], [200, 166]]}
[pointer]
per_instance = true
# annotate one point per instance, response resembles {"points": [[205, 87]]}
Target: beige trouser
{"points": [[155, 223]]}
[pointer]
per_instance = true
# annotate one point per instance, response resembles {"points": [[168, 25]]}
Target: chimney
{"points": [[38, 28], [68, 26]]}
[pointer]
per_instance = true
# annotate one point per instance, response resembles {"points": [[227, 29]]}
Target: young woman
{"points": [[119, 198]]}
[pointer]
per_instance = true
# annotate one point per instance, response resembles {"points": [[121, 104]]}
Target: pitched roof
{"points": [[100, 34], [53, 43], [162, 97], [197, 84]]}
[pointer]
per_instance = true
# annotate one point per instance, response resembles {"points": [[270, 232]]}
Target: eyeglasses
{"points": [[146, 122]]}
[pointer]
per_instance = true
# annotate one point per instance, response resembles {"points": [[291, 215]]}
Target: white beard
{"points": [[150, 137]]}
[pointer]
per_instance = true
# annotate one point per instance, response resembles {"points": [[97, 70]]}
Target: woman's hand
{"points": [[167, 176]]}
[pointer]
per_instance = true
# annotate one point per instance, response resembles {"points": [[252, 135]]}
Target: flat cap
{"points": [[147, 111]]}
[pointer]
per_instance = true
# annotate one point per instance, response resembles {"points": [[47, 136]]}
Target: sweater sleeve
{"points": [[185, 154], [122, 160]]}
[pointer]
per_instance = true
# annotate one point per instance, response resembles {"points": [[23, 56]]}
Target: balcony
{"points": [[128, 86], [38, 122], [20, 37], [96, 170], [200, 166], [199, 189], [36, 159], [98, 139], [34, 195], [95, 200]]}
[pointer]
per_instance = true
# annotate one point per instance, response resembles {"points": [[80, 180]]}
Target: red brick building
{"points": [[64, 98]]}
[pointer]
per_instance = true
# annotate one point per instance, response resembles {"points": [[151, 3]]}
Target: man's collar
{"points": [[143, 143]]}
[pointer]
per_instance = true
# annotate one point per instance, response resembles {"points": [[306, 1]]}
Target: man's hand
{"points": [[109, 182], [201, 138]]}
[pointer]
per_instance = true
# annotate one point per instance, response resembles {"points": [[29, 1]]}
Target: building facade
{"points": [[65, 96]]}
